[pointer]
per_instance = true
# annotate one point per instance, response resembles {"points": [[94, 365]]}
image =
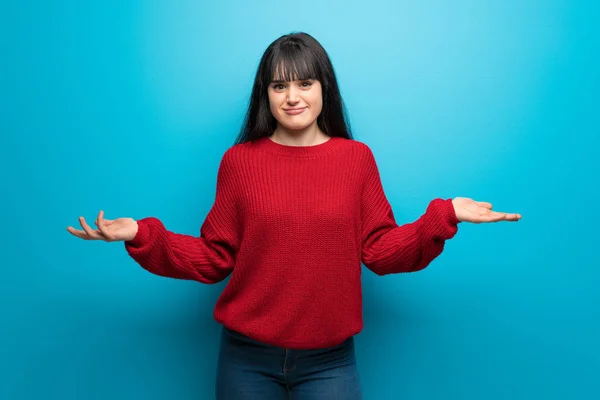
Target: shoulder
{"points": [[242, 150], [233, 154], [359, 146], [360, 150]]}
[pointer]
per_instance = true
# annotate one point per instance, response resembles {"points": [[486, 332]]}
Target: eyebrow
{"points": [[301, 80]]}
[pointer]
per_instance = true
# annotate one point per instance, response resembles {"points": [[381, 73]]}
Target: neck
{"points": [[308, 136]]}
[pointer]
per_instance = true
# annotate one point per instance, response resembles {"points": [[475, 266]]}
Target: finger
{"points": [[102, 225], [499, 216], [105, 222], [512, 217], [77, 232], [99, 219], [100, 222], [486, 216], [94, 234], [484, 204]]}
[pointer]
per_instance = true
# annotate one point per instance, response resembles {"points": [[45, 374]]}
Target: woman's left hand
{"points": [[469, 210]]}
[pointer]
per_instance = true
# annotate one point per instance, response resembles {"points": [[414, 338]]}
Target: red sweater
{"points": [[291, 225]]}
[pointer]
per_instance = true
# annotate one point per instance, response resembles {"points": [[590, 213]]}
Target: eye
{"points": [[306, 84], [278, 86]]}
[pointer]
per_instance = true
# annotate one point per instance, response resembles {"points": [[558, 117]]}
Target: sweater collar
{"points": [[269, 145]]}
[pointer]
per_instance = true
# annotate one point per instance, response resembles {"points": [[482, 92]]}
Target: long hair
{"points": [[296, 56]]}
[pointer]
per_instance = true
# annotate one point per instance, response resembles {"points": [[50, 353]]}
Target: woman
{"points": [[299, 206]]}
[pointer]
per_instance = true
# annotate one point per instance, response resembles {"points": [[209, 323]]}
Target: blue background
{"points": [[128, 106]]}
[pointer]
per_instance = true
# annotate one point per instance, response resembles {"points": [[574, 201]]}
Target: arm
{"points": [[209, 258], [388, 248]]}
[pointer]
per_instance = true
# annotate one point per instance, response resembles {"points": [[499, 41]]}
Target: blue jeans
{"points": [[251, 370]]}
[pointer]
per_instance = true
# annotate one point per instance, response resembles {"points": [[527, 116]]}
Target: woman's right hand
{"points": [[123, 229]]}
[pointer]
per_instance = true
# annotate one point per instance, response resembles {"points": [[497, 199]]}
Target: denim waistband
{"points": [[349, 342]]}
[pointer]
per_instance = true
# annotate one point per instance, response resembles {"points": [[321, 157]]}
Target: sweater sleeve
{"points": [[209, 258], [388, 248]]}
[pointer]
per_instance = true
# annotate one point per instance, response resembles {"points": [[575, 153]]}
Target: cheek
{"points": [[317, 104], [273, 102], [316, 99]]}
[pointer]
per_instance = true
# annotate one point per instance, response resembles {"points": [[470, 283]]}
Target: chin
{"points": [[296, 126]]}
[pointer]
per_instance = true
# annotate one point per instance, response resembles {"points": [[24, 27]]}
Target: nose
{"points": [[292, 95]]}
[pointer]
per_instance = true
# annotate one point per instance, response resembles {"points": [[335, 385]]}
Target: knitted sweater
{"points": [[291, 225]]}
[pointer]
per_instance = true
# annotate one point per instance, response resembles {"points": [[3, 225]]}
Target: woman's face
{"points": [[297, 104]]}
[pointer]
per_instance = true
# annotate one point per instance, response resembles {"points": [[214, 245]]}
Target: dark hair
{"points": [[296, 56]]}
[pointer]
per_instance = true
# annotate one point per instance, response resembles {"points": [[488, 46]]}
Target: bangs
{"points": [[293, 63]]}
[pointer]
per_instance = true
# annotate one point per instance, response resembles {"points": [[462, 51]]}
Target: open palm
{"points": [[469, 210], [108, 230]]}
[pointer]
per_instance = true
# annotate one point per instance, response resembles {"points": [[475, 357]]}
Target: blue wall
{"points": [[128, 107]]}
